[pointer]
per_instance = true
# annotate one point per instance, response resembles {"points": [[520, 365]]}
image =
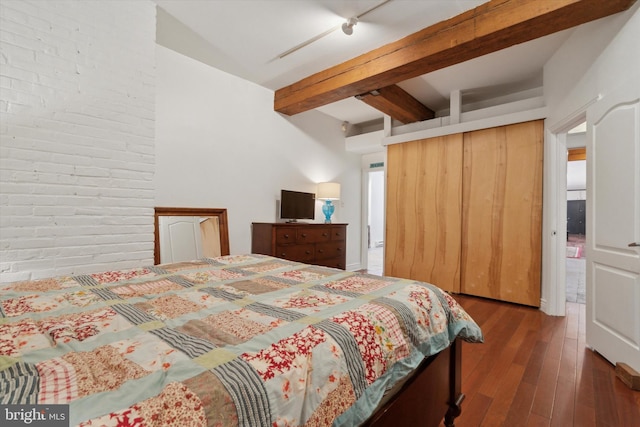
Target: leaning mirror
{"points": [[187, 234]]}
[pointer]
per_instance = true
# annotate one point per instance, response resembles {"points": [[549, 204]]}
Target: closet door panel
{"points": [[502, 213], [423, 211]]}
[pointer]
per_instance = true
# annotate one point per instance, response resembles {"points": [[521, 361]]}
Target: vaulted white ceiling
{"points": [[247, 38]]}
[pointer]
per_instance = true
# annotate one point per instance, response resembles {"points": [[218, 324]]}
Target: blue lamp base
{"points": [[327, 210]]}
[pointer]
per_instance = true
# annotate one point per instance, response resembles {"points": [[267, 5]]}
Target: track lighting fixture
{"points": [[347, 27]]}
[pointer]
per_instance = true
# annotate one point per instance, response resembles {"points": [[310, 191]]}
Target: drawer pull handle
{"points": [[286, 236], [304, 235], [321, 251], [307, 252], [283, 255], [324, 234], [339, 249]]}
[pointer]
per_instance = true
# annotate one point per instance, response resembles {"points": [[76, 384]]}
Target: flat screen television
{"points": [[295, 205]]}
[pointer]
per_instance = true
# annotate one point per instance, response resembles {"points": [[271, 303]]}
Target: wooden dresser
{"points": [[319, 244]]}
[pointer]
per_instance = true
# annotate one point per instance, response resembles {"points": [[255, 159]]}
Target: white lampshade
{"points": [[328, 191]]}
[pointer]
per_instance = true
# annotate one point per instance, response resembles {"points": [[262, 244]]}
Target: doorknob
{"points": [[634, 244]]}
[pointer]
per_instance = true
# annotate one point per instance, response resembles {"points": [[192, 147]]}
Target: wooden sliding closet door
{"points": [[502, 213], [424, 212]]}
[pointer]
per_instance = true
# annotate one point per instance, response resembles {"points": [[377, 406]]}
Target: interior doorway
{"points": [[375, 222], [576, 215]]}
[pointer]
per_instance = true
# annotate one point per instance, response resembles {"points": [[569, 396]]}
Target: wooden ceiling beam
{"points": [[576, 154], [398, 104], [488, 28]]}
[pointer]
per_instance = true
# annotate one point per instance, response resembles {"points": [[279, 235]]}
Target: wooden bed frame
{"points": [[431, 394]]}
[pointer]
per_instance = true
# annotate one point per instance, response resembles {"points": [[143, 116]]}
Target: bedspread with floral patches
{"points": [[246, 340]]}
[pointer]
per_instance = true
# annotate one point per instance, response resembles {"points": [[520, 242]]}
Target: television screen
{"points": [[297, 205]]}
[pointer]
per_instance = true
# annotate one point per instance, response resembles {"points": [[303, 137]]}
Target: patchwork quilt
{"points": [[245, 340]]}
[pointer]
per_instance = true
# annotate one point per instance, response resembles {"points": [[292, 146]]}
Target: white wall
{"points": [[77, 84], [576, 175], [598, 58], [576, 169], [219, 144]]}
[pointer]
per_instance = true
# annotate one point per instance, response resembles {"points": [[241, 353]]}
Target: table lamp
{"points": [[328, 191]]}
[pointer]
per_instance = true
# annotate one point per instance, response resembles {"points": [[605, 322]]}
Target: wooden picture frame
{"points": [[219, 213]]}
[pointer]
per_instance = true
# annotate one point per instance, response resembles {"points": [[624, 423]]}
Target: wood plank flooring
{"points": [[535, 370]]}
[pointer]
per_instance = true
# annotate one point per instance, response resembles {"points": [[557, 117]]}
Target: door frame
{"points": [[364, 220], [554, 219]]}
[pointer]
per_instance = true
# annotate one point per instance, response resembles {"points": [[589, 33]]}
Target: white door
{"points": [[180, 238], [613, 218]]}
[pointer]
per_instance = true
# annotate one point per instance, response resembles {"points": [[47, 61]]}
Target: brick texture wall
{"points": [[77, 108]]}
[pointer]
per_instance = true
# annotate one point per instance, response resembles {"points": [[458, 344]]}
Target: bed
{"points": [[245, 340]]}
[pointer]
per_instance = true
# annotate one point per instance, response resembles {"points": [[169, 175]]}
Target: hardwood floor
{"points": [[535, 370]]}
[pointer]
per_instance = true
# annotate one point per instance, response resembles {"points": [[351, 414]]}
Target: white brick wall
{"points": [[77, 111]]}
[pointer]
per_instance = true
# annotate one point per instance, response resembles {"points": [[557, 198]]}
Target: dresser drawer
{"points": [[332, 262], [338, 234], [329, 250], [313, 235], [285, 235], [302, 253]]}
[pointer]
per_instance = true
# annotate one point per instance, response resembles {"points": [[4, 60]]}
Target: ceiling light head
{"points": [[347, 27]]}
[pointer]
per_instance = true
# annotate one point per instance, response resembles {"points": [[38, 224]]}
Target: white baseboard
{"points": [[354, 267], [543, 305]]}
